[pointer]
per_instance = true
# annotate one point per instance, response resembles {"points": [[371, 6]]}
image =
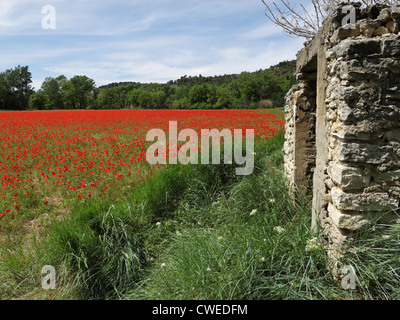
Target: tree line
{"points": [[261, 89]]}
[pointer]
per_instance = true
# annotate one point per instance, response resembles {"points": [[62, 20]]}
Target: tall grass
{"points": [[200, 232], [254, 247]]}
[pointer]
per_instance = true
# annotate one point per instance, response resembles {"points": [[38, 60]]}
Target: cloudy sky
{"points": [[140, 40]]}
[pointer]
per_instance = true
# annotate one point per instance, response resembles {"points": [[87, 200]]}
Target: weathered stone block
{"points": [[363, 130], [368, 27], [391, 47], [393, 135], [395, 10], [347, 221], [365, 153], [347, 94], [388, 177], [343, 33], [363, 202], [345, 113], [348, 178], [380, 31], [393, 26], [364, 47], [385, 15]]}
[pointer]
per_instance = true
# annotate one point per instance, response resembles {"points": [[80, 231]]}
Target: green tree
{"points": [[133, 97], [159, 99], [108, 99], [199, 93], [15, 88], [80, 92], [39, 101], [4, 92], [224, 98], [52, 87], [145, 99]]}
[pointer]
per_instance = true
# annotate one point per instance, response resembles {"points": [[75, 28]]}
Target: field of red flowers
{"points": [[52, 158]]}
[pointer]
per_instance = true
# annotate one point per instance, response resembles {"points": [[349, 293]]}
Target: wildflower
{"points": [[214, 204], [162, 265], [312, 245], [262, 259], [208, 269], [46, 202], [158, 224], [279, 229], [271, 200], [253, 213], [220, 238], [178, 233]]}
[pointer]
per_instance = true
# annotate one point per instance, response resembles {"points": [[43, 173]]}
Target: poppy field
{"points": [[49, 159]]}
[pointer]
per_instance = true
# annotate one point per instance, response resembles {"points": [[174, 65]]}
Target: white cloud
{"points": [[266, 30], [146, 41]]}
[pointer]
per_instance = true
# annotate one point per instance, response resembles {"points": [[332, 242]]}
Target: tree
{"points": [[39, 101], [52, 88], [15, 88], [159, 99], [80, 91], [224, 98], [199, 93], [145, 98], [133, 97], [108, 99], [299, 21], [4, 93]]}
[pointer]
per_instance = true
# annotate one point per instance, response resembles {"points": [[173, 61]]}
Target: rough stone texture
{"points": [[343, 122], [300, 138]]}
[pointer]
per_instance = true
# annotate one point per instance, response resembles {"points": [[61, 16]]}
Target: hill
{"points": [[259, 89]]}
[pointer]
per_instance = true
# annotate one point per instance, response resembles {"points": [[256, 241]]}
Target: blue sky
{"points": [[142, 41]]}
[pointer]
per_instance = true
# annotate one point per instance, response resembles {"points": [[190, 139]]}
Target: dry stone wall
{"points": [[346, 127], [300, 138]]}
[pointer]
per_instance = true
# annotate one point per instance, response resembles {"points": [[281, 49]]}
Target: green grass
{"points": [[199, 232]]}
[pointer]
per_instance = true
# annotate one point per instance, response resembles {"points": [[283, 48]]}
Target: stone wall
{"points": [[300, 138], [345, 128]]}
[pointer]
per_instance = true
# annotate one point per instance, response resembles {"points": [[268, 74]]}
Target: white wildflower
{"points": [[262, 259], [253, 213], [279, 229], [271, 200], [208, 269], [162, 265], [220, 238], [158, 224], [215, 204], [312, 245]]}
